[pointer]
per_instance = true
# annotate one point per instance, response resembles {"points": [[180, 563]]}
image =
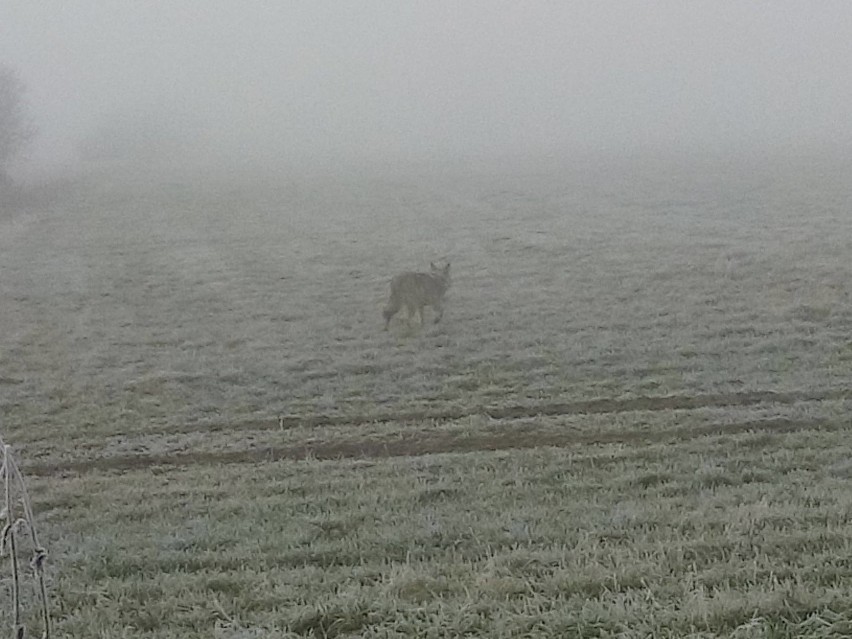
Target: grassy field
{"points": [[633, 420]]}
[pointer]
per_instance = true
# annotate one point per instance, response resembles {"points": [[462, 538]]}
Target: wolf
{"points": [[417, 290]]}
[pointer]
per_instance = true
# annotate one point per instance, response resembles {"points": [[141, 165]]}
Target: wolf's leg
{"points": [[439, 312], [390, 310]]}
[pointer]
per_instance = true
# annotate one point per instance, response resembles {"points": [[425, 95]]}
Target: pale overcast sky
{"points": [[320, 79]]}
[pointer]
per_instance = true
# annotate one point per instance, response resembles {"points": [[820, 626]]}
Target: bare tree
{"points": [[16, 129]]}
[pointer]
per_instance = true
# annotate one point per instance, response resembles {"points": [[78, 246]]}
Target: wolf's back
{"points": [[417, 288]]}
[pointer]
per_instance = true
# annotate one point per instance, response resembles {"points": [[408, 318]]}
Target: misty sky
{"points": [[395, 79]]}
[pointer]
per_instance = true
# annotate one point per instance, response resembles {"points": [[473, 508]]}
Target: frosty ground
{"points": [[632, 419]]}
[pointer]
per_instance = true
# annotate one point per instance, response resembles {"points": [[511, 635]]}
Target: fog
{"points": [[308, 83]]}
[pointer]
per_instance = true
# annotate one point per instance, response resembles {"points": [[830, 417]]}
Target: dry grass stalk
{"points": [[16, 496]]}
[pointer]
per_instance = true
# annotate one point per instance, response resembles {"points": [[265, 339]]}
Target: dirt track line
{"points": [[412, 446], [599, 406], [528, 411]]}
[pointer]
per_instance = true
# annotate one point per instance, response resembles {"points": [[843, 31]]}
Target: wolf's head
{"points": [[441, 272]]}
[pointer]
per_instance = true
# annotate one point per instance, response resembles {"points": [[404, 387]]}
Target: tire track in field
{"points": [[600, 406], [433, 443], [585, 407]]}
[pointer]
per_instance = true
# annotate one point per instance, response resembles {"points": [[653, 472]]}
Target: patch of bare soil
{"points": [[526, 411], [439, 442]]}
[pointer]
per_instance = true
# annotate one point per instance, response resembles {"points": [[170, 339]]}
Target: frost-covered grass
{"points": [[745, 535], [512, 471], [191, 304]]}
